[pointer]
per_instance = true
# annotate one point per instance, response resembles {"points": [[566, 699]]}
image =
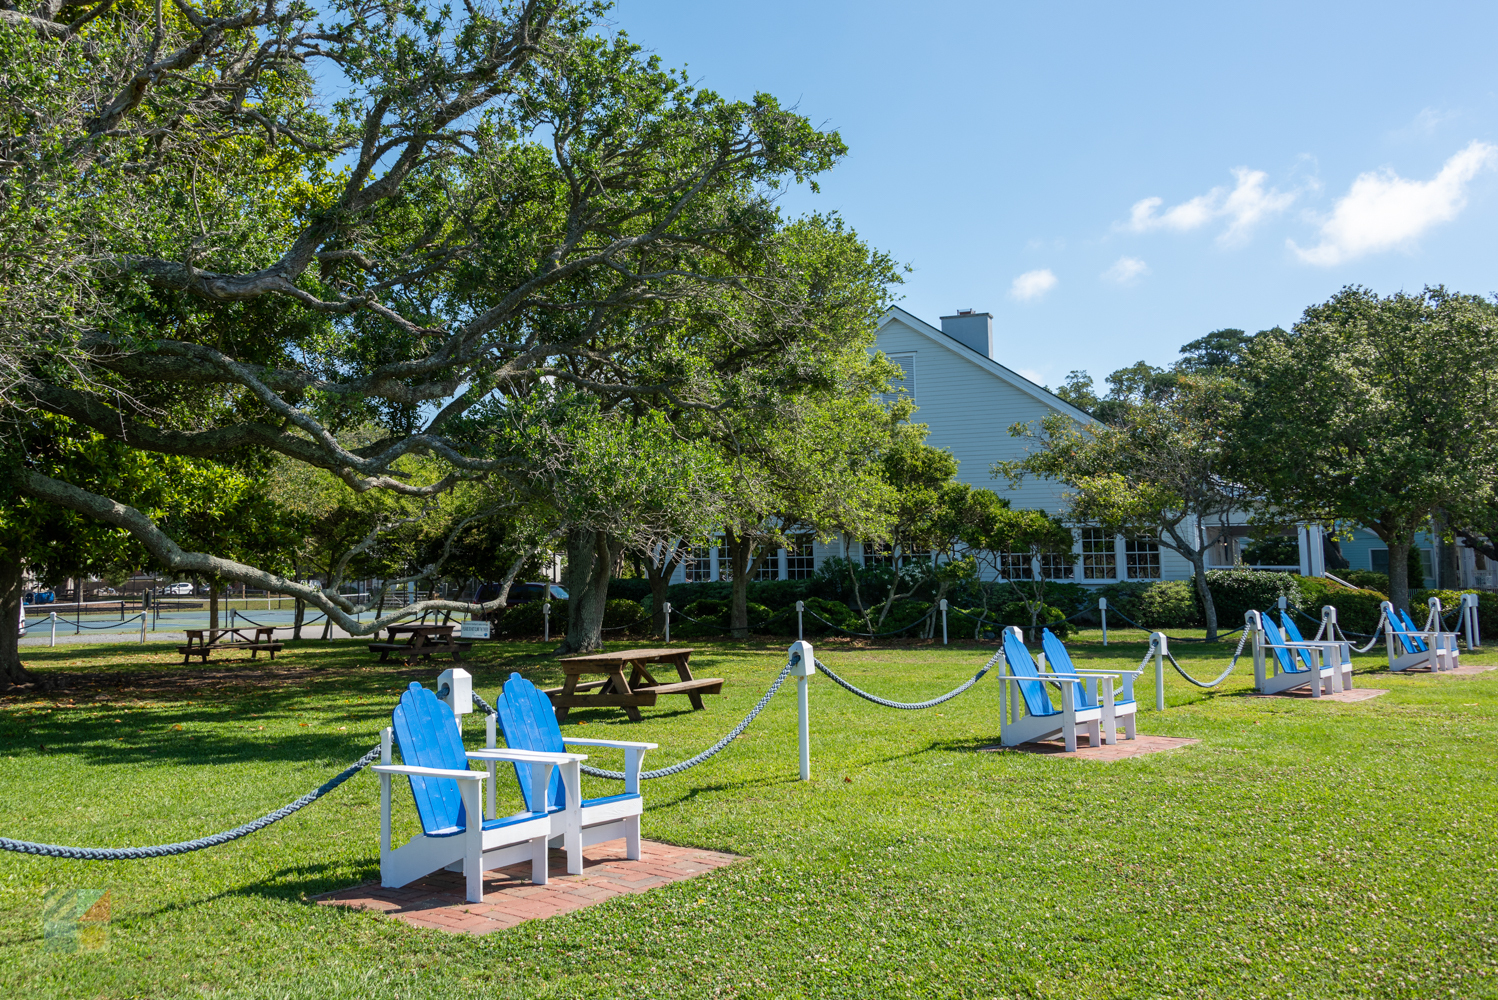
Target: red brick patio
{"points": [[510, 898], [1121, 750]]}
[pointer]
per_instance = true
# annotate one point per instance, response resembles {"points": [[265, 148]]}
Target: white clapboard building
{"points": [[969, 401]]}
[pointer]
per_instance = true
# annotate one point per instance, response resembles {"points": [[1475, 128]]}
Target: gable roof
{"points": [[1018, 381]]}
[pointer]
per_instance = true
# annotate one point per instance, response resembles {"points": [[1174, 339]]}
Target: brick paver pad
{"points": [[510, 898], [1356, 694], [1136, 747]]}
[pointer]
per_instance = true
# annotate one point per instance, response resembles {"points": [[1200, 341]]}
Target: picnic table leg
{"points": [[569, 687], [621, 686], [685, 673]]}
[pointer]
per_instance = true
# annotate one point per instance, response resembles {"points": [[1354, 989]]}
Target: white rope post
{"points": [[1102, 609], [802, 670], [1158, 644], [667, 606], [800, 632], [1330, 627], [459, 696], [943, 621], [1469, 621], [1251, 622], [546, 621], [1284, 604], [53, 641], [142, 628]]}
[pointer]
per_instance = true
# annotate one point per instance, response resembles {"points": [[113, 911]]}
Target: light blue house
{"points": [[969, 401]]}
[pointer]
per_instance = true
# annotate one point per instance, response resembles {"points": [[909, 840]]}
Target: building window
{"points": [[1016, 565], [699, 566], [878, 554], [1055, 566], [1099, 557], [769, 569], [800, 563], [725, 563], [907, 366], [1143, 559]]}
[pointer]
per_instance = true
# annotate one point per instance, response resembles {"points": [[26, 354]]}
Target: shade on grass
{"points": [[1300, 850]]}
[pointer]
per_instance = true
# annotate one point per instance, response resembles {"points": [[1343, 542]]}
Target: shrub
{"points": [[1238, 591], [622, 617], [1487, 607], [1169, 604], [1357, 610], [526, 619], [1125, 598], [836, 612], [630, 589], [1017, 613], [1366, 579], [903, 613]]}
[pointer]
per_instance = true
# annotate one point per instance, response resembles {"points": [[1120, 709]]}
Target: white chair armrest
{"points": [[525, 756], [429, 772], [1105, 672], [1046, 679], [620, 744]]}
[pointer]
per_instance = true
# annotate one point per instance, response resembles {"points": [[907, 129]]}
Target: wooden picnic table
{"points": [[639, 689], [201, 642], [422, 640]]}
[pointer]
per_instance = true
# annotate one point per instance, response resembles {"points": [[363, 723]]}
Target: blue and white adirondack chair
{"points": [[1025, 710], [530, 723], [1278, 664], [1118, 703], [454, 832], [1330, 649], [1409, 647]]}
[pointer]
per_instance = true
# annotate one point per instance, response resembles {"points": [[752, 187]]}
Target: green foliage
{"points": [[1047, 616], [1487, 609], [1238, 591], [836, 612], [1357, 610], [1366, 579], [1170, 604]]}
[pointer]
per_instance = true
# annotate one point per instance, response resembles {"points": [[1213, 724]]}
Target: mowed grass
{"points": [[1299, 850]]}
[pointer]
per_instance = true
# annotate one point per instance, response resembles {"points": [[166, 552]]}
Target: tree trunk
{"points": [[590, 557], [1399, 574], [296, 620], [1209, 608], [213, 586], [11, 669], [659, 575], [743, 566]]}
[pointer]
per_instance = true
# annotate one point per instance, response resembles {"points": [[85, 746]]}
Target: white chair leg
{"points": [[473, 841], [539, 861], [632, 838], [1129, 726]]}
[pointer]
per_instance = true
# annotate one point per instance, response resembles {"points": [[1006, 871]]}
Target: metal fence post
{"points": [[1102, 609], [800, 632], [666, 606], [1158, 641], [803, 670], [546, 620], [943, 621]]}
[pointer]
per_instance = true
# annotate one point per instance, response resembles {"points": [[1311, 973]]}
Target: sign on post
{"points": [[474, 630]]}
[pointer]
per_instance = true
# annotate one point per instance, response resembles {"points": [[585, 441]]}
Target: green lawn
{"points": [[1300, 850]]}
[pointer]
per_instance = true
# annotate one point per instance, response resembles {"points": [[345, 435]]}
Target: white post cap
{"points": [[807, 665], [459, 695]]}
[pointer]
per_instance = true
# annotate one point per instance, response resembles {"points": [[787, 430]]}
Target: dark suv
{"points": [[523, 593]]}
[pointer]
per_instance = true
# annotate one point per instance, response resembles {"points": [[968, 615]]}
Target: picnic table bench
{"points": [[639, 689], [202, 642], [423, 641]]}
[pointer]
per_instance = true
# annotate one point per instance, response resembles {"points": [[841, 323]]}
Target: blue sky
{"points": [[1110, 180]]}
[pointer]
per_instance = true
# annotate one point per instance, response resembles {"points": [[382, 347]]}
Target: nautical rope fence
{"points": [[873, 635], [186, 846], [1242, 639], [911, 706], [677, 768]]}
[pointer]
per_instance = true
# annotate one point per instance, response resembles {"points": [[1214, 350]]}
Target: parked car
{"points": [[523, 593], [177, 588]]}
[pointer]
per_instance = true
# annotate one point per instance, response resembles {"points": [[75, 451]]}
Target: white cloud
{"points": [[1383, 210], [1126, 271], [1424, 124], [1244, 207], [1032, 375], [1032, 284]]}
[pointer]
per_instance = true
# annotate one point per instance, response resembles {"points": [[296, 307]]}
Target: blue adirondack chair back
{"points": [[427, 735], [530, 723], [1293, 634], [1287, 662], [1060, 661], [1021, 665], [1412, 643]]}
